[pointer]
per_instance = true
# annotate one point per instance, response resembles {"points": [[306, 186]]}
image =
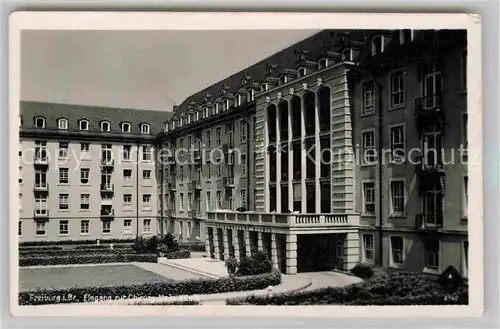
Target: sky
{"points": [[151, 70]]}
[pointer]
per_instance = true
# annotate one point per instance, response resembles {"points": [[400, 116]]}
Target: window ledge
{"points": [[397, 107], [85, 234], [428, 270], [363, 165], [397, 216], [369, 215], [367, 114]]}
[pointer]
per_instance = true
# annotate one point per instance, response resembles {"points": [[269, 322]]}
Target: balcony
{"points": [[228, 182], [107, 213], [41, 213], [194, 185], [172, 186], [41, 160], [429, 222], [292, 221], [429, 112], [194, 213], [197, 156], [429, 168], [41, 187], [107, 188], [107, 163]]}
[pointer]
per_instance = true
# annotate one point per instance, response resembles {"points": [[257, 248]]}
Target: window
{"points": [[40, 228], [432, 254], [105, 126], [181, 201], [301, 72], [238, 100], [397, 89], [208, 136], [243, 198], [231, 203], [20, 228], [209, 170], [243, 131], [106, 227], [127, 176], [283, 79], [369, 153], [127, 201], [466, 259], [369, 198], [127, 226], [218, 196], [219, 171], [346, 54], [146, 174], [398, 142], [146, 200], [209, 200], [85, 175], [397, 248], [39, 122], [63, 201], [127, 152], [251, 95], [322, 63], [189, 119], [63, 227], [190, 201], [243, 165], [125, 127], [397, 197], [181, 169], [368, 97], [368, 247], [465, 201], [85, 201], [85, 227], [146, 153], [41, 205], [165, 127], [263, 87], [189, 228], [405, 36], [377, 45], [62, 124], [218, 132], [63, 150], [146, 225], [63, 176], [144, 128], [85, 147], [84, 125]]}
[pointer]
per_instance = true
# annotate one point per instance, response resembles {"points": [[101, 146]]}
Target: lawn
{"points": [[84, 276]]}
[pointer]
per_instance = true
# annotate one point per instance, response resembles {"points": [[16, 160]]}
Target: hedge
{"points": [[73, 252], [178, 254], [398, 288], [154, 289], [106, 246], [192, 246], [88, 259], [40, 248], [70, 242]]}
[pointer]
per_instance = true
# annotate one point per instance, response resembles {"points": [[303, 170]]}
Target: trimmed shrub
{"points": [[152, 244], [71, 242], [88, 259], [398, 288], [193, 246], [105, 246], [362, 270], [39, 249], [258, 263], [154, 289], [178, 254], [231, 265], [75, 252]]}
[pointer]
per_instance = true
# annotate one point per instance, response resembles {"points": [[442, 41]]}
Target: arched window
{"points": [[39, 122], [83, 124], [322, 63], [377, 45], [125, 127], [144, 128], [302, 71], [105, 126], [62, 124]]}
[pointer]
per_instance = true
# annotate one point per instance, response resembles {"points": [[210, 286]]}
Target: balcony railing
{"points": [[41, 213], [41, 159], [194, 185], [194, 213], [427, 104], [107, 187], [285, 219], [429, 221], [107, 213], [430, 164], [106, 162], [41, 187], [228, 181]]}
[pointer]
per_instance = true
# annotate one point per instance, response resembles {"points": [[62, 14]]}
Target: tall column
{"points": [[278, 160], [207, 242], [351, 250], [303, 156], [317, 155], [248, 248], [265, 152], [274, 251], [225, 243], [216, 243], [290, 157], [259, 241], [236, 244], [291, 254]]}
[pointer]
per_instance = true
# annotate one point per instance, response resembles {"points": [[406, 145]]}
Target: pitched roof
{"points": [[94, 114], [316, 46]]}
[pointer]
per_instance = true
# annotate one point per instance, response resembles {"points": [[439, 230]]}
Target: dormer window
{"points": [[377, 45], [283, 79], [216, 108], [207, 112], [197, 116], [322, 63], [145, 128], [189, 119], [302, 71], [263, 87], [83, 125], [251, 95], [125, 127], [405, 36], [165, 127], [238, 100], [228, 104], [39, 122], [173, 125], [347, 54], [181, 122], [62, 124], [105, 126]]}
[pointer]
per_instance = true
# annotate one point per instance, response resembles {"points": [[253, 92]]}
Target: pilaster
{"points": [[274, 251], [291, 254], [248, 248]]}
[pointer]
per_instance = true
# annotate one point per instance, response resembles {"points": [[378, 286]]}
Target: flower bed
{"points": [[155, 289], [396, 288], [178, 254], [88, 259]]}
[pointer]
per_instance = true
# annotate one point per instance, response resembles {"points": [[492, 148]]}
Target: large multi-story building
{"points": [[87, 172], [306, 127]]}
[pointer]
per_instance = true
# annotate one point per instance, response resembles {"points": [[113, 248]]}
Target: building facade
{"points": [[87, 172]]}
